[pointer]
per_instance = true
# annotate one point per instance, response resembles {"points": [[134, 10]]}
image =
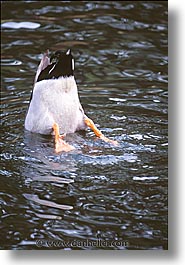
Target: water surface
{"points": [[97, 191]]}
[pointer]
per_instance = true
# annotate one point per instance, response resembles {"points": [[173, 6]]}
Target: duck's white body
{"points": [[55, 106], [55, 101]]}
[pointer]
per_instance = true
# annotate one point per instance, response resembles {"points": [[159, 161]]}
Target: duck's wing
{"points": [[45, 61]]}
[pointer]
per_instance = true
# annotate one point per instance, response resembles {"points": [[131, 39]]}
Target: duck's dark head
{"points": [[61, 64]]}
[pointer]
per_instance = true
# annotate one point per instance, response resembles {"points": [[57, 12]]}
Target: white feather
{"points": [[68, 52], [52, 69], [55, 101], [73, 64]]}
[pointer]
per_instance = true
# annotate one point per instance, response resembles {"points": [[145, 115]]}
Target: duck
{"points": [[54, 106]]}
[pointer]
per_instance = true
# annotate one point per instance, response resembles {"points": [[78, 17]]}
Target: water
{"points": [[97, 192]]}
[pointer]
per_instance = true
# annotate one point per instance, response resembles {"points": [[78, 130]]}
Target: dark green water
{"points": [[119, 194]]}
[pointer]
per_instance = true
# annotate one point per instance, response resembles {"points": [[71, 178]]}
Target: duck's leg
{"points": [[60, 144], [97, 132]]}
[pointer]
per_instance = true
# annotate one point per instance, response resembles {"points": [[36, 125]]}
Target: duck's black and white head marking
{"points": [[61, 64]]}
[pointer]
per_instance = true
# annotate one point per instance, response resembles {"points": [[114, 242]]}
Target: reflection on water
{"points": [[97, 191]]}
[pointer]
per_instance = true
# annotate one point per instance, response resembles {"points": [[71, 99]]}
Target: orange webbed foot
{"points": [[97, 132], [107, 140], [60, 144]]}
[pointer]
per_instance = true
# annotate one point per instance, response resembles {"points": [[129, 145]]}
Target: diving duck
{"points": [[54, 104]]}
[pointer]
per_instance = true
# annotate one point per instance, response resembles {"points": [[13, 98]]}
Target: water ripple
{"points": [[97, 191], [19, 25]]}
